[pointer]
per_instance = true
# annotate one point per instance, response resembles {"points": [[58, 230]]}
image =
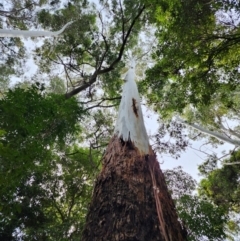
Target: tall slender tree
{"points": [[130, 199]]}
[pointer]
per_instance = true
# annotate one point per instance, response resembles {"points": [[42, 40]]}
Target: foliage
{"points": [[202, 218], [199, 216], [17, 15], [179, 182], [206, 65], [45, 180], [170, 139], [221, 185], [196, 71], [92, 46], [200, 82], [51, 142], [47, 167]]}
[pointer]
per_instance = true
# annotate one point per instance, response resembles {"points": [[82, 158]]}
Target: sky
{"points": [[189, 159]]}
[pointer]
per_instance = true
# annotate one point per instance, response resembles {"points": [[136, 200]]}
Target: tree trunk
{"points": [[130, 200]]}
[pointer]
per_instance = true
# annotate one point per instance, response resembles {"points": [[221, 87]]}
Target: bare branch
{"points": [[231, 163], [55, 203], [10, 49], [211, 133], [27, 33], [232, 132], [100, 71], [101, 106], [111, 67], [123, 25]]}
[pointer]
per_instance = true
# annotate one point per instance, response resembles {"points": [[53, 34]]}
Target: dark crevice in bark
{"points": [[123, 206]]}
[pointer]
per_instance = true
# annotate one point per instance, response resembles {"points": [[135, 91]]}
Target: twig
{"points": [[100, 71]]}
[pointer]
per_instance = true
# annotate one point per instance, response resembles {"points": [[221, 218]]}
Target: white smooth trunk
{"points": [[130, 123], [26, 33], [211, 133], [231, 163]]}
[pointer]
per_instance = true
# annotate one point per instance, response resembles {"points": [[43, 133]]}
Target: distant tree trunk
{"points": [[130, 200]]}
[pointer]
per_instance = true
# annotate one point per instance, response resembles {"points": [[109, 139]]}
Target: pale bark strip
{"points": [[211, 133], [26, 33], [130, 123], [158, 202], [231, 163]]}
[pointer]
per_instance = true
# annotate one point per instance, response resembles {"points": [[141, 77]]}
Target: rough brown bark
{"points": [[130, 200]]}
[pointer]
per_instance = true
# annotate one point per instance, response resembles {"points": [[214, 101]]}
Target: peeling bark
{"points": [[130, 123], [130, 199]]}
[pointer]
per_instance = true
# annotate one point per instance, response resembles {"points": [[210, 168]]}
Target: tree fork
{"points": [[130, 199]]}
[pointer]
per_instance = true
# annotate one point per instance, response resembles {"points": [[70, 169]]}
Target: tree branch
{"points": [[232, 132], [231, 163], [104, 106], [211, 133], [100, 71], [27, 33]]}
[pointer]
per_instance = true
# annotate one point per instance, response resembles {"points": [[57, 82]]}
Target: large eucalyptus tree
{"points": [[85, 60]]}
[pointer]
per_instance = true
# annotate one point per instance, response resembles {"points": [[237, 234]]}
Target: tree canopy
{"points": [[42, 185], [58, 99]]}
